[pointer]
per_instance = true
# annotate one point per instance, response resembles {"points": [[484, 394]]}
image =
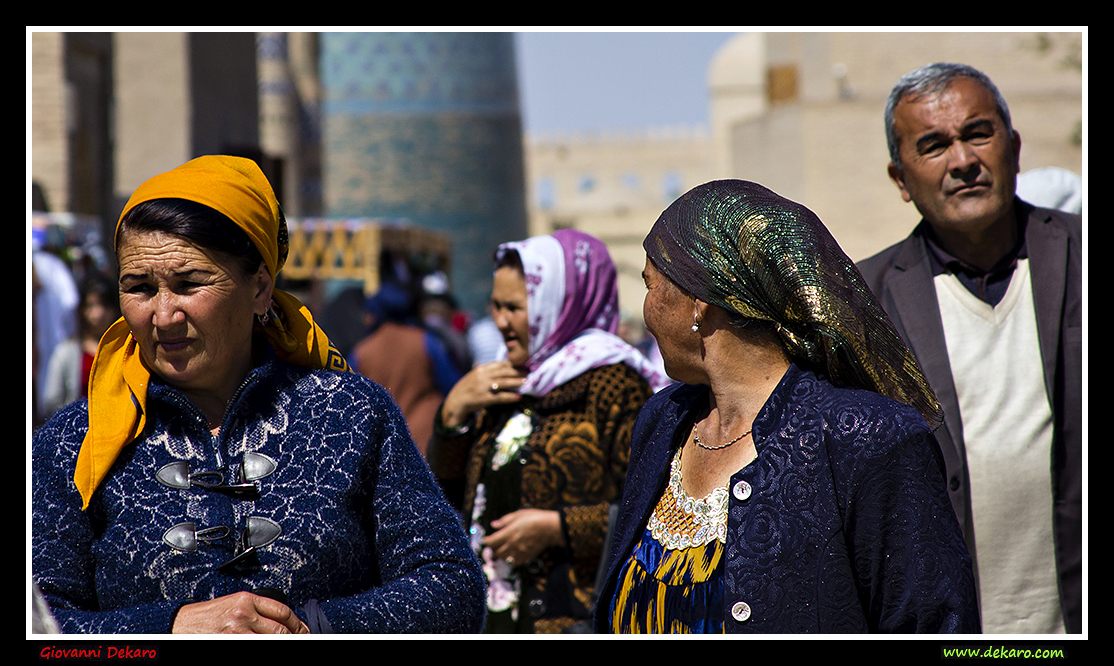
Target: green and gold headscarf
{"points": [[741, 247]]}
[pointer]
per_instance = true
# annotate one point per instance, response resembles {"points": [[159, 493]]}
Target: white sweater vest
{"points": [[1007, 429]]}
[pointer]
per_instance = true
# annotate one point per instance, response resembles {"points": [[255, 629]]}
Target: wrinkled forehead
{"points": [[146, 253]]}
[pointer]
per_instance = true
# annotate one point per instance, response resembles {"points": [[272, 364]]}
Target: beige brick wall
{"points": [[49, 147], [151, 71], [615, 187]]}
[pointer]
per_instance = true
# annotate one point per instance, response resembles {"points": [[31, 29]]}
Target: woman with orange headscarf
{"points": [[227, 473]]}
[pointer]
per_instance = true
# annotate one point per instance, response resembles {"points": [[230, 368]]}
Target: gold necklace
{"points": [[696, 438]]}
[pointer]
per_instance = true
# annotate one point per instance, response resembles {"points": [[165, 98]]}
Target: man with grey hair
{"points": [[986, 291]]}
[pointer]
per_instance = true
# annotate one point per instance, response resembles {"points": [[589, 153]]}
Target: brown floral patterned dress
{"points": [[574, 460]]}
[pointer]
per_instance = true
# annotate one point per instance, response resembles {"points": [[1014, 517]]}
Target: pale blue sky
{"points": [[597, 81]]}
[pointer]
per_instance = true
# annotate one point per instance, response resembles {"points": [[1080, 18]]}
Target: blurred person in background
{"points": [[345, 318], [438, 312], [533, 448], [67, 376], [1052, 187], [484, 340], [411, 362], [634, 332], [54, 313]]}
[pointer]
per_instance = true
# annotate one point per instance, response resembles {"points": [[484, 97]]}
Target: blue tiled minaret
{"points": [[426, 126]]}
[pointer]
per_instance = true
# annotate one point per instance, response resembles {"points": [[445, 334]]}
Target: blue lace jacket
{"points": [[842, 523], [347, 519]]}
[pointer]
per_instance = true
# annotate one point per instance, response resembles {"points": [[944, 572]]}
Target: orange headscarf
{"points": [[118, 380]]}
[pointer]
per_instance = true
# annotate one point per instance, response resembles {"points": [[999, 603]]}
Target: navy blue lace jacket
{"points": [[841, 524], [313, 488]]}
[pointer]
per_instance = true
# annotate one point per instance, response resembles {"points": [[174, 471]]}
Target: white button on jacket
{"points": [[740, 611]]}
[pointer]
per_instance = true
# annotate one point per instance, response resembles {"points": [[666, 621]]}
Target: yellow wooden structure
{"points": [[351, 248]]}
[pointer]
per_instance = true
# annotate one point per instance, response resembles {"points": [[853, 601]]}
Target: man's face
{"points": [[959, 163]]}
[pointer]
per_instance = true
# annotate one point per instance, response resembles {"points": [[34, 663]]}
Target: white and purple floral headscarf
{"points": [[573, 310]]}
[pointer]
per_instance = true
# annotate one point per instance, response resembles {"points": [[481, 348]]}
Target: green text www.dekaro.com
{"points": [[1002, 652]]}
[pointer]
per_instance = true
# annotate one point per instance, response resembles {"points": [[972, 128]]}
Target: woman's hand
{"points": [[240, 613], [485, 385], [522, 535]]}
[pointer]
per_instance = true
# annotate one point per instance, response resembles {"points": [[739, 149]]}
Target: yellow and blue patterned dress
{"points": [[673, 580]]}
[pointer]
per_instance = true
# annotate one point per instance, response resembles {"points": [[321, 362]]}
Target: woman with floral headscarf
{"points": [[228, 474], [790, 481], [533, 448]]}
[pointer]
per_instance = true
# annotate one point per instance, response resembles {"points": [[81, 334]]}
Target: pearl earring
{"points": [[695, 324]]}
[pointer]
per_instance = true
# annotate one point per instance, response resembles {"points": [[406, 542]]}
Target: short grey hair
{"points": [[932, 79]]}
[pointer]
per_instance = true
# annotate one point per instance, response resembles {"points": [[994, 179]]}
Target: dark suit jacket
{"points": [[901, 277]]}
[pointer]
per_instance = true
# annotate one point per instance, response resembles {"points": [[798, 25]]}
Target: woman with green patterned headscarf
{"points": [[790, 481]]}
